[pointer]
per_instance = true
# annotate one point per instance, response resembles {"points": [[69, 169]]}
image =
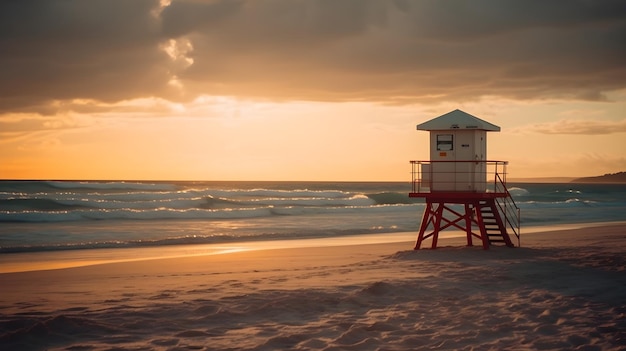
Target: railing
{"points": [[509, 210], [457, 176]]}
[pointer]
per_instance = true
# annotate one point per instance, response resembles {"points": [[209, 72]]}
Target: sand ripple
{"points": [[546, 298]]}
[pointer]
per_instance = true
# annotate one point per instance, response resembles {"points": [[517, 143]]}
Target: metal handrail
{"points": [[506, 205]]}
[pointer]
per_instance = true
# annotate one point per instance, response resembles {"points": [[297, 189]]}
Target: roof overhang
{"points": [[458, 119]]}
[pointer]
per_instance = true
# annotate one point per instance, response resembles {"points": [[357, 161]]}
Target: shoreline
{"points": [[66, 259]]}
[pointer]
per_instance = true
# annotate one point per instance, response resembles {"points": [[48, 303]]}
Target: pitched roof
{"points": [[457, 119]]}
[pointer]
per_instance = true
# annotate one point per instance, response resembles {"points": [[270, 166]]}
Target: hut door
{"points": [[465, 152], [480, 168]]}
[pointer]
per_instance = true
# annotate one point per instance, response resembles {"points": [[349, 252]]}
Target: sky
{"points": [[321, 90]]}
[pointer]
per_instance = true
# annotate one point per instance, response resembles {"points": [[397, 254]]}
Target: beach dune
{"points": [[562, 290]]}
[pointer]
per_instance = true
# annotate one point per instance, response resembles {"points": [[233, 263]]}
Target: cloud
{"points": [[329, 50], [63, 50], [583, 127]]}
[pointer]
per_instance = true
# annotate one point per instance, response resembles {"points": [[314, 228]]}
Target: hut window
{"points": [[445, 142]]}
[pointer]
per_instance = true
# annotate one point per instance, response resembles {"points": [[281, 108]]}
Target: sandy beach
{"points": [[562, 290]]}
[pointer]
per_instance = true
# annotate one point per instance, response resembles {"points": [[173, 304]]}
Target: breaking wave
{"points": [[77, 201]]}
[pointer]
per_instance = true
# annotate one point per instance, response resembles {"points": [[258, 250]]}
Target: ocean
{"points": [[44, 216]]}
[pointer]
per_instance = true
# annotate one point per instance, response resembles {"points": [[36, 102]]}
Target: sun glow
{"points": [[225, 138]]}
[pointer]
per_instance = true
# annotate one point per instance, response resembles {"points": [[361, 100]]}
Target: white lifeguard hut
{"points": [[462, 188]]}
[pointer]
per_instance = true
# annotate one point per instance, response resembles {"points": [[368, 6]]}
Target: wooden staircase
{"points": [[494, 227]]}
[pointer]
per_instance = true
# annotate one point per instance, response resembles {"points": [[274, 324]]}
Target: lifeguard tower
{"points": [[462, 189]]}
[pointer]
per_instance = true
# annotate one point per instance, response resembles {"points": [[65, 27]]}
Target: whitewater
{"points": [[66, 215]]}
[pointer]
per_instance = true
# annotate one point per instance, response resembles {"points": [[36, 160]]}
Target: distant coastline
{"points": [[619, 177], [609, 178]]}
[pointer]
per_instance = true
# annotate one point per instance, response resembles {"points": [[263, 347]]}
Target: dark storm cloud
{"points": [[75, 49], [388, 51], [457, 20], [375, 50]]}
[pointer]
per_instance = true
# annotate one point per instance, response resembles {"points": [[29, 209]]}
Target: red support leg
{"points": [[468, 223], [437, 224], [426, 218]]}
